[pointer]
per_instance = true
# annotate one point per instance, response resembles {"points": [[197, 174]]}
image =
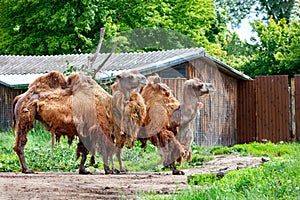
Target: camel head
{"points": [[197, 88], [130, 80]]}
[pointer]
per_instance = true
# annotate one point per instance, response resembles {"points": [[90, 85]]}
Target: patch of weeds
{"points": [[218, 150], [202, 179]]}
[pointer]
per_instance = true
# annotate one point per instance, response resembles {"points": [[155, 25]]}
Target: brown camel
{"points": [[78, 107], [182, 118], [129, 111], [160, 104]]}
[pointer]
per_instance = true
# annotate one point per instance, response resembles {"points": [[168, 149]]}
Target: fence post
{"points": [[297, 107]]}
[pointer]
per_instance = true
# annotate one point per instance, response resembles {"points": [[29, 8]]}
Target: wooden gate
{"points": [[264, 110]]}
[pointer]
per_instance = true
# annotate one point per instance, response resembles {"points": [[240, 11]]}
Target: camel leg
{"points": [[174, 170], [107, 170], [81, 150], [113, 166], [21, 140], [122, 168]]}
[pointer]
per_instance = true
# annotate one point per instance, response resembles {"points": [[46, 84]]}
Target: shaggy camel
{"points": [[182, 118], [160, 104], [61, 107], [129, 111]]}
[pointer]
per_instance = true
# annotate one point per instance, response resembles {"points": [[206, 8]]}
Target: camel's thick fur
{"points": [[76, 107], [51, 100], [182, 119], [129, 111], [160, 104]]}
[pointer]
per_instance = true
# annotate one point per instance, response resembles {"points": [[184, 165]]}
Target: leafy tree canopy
{"points": [[60, 27], [277, 51], [236, 10]]}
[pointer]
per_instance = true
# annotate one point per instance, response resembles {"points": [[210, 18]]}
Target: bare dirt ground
{"points": [[52, 185]]}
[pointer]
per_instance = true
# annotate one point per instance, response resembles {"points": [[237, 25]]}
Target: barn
{"points": [[217, 122]]}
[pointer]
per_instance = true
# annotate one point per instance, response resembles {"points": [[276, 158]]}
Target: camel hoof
{"points": [[108, 171], [124, 170], [116, 171], [28, 171], [84, 172], [177, 172]]}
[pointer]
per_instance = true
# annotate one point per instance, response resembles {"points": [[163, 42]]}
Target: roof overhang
{"points": [[18, 81], [226, 68]]}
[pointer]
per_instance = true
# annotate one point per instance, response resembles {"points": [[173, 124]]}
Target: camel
{"points": [[160, 104], [182, 118], [129, 111], [76, 107]]}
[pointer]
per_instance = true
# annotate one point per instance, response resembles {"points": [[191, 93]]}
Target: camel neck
{"points": [[188, 106]]}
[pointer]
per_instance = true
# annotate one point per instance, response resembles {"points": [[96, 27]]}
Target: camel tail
{"points": [[13, 113]]}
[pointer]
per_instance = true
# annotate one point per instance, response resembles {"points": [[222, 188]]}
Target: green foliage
{"points": [[49, 27], [199, 156], [37, 28], [202, 179], [276, 51], [279, 9], [235, 11], [39, 155], [276, 179]]}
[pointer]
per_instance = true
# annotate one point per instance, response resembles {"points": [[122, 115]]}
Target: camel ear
{"points": [[197, 86], [157, 79], [118, 76]]}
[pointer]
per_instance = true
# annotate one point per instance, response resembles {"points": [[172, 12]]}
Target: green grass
{"points": [[39, 155], [277, 179]]}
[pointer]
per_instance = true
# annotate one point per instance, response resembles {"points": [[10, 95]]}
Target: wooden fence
{"points": [[296, 116], [268, 109]]}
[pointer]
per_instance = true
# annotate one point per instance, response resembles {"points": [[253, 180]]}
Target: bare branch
{"points": [[106, 59], [92, 59]]}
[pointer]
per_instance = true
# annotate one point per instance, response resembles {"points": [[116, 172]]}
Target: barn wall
{"points": [[6, 96], [216, 123]]}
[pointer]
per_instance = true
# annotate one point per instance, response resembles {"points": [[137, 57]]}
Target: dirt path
{"points": [[99, 186]]}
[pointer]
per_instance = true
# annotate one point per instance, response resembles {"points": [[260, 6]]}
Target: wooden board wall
{"points": [[246, 112], [264, 110], [6, 96], [297, 106], [272, 108]]}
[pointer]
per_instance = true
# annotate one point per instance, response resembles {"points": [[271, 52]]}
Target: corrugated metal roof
{"points": [[146, 62], [119, 61]]}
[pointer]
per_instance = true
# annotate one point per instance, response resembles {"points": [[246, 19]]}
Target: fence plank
{"points": [[246, 112], [297, 107]]}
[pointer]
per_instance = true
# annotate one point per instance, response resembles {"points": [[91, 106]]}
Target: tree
{"points": [[49, 27], [277, 51], [236, 10], [61, 27]]}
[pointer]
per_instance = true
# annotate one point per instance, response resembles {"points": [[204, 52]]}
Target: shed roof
{"points": [[22, 70]]}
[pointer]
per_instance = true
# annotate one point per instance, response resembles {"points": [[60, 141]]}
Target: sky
{"points": [[244, 31]]}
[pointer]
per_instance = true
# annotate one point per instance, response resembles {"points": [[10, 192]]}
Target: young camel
{"points": [[181, 120]]}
